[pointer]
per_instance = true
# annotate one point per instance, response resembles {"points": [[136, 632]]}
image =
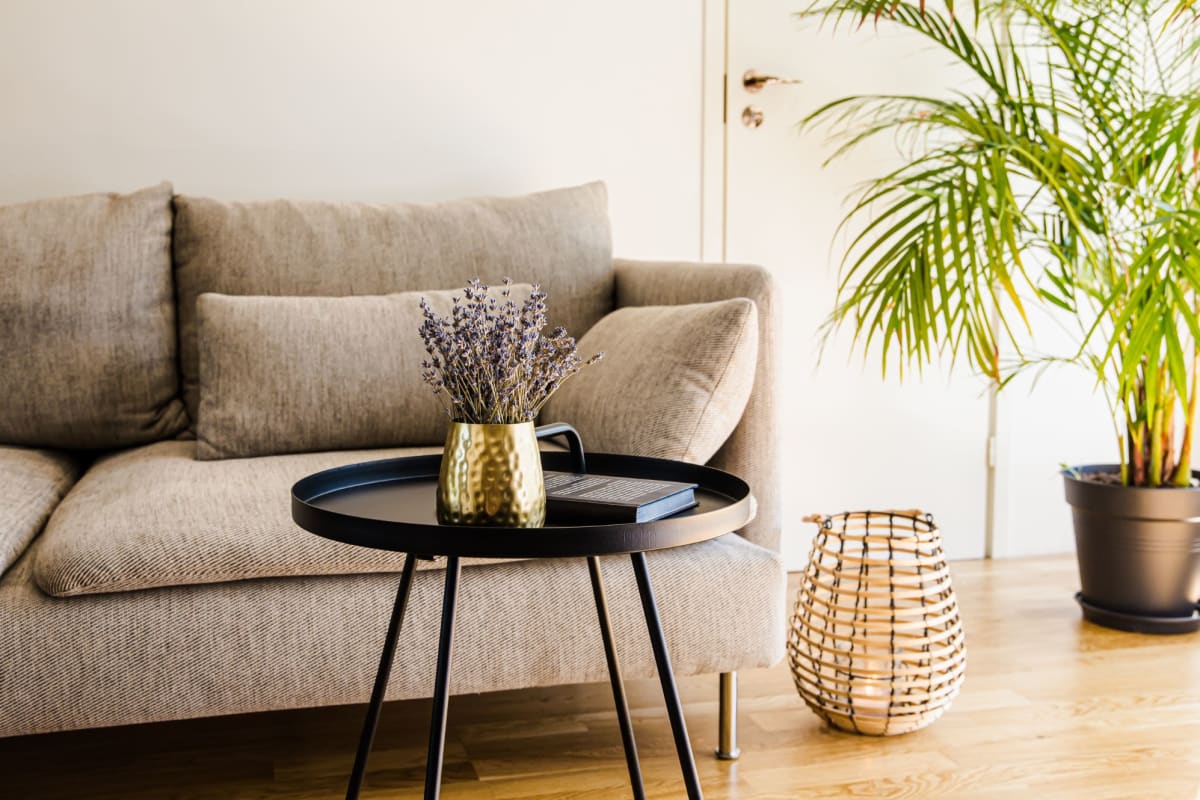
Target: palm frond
{"points": [[1067, 174]]}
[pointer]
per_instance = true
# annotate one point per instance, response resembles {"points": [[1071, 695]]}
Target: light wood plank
{"points": [[1052, 708]]}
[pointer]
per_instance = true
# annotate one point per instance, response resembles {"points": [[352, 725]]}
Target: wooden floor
{"points": [[1052, 708]]}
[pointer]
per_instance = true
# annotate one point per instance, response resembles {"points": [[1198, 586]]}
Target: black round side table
{"points": [[390, 504]]}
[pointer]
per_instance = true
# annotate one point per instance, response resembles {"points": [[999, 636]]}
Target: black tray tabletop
{"points": [[390, 505]]}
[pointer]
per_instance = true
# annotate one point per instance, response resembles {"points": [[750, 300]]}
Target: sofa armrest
{"points": [[752, 451]]}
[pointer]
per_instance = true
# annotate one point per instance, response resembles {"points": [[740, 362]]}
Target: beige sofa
{"points": [[140, 584]]}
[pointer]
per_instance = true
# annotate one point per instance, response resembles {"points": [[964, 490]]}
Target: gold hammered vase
{"points": [[491, 475]]}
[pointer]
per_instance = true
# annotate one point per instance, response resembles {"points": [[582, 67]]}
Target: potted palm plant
{"points": [[1063, 173]]}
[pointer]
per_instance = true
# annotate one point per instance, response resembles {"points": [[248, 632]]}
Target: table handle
{"points": [[573, 441]]}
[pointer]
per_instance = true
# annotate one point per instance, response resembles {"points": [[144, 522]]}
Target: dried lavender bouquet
{"points": [[489, 362]]}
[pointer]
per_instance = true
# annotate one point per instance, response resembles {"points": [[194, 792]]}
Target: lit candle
{"points": [[869, 693]]}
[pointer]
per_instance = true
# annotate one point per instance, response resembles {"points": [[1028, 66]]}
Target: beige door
{"points": [[851, 440]]}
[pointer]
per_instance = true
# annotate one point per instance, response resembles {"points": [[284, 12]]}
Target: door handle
{"points": [[754, 81]]}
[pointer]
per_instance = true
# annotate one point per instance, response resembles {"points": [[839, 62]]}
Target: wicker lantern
{"points": [[876, 644]]}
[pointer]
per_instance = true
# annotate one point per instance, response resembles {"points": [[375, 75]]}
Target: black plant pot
{"points": [[1138, 552]]}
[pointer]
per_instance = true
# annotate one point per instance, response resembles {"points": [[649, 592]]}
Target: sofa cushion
{"points": [[156, 516], [560, 239], [32, 482], [673, 382], [87, 322], [295, 374]]}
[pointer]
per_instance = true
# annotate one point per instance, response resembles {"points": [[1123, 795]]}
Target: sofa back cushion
{"points": [[295, 374], [87, 322], [560, 239]]}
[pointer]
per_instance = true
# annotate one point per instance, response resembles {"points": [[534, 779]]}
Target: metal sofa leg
{"points": [[727, 745]]}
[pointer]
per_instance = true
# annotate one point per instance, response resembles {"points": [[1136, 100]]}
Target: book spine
{"points": [[596, 513]]}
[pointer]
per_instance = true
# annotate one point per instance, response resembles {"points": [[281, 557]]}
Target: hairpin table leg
{"points": [[614, 676], [381, 679], [441, 685], [683, 747]]}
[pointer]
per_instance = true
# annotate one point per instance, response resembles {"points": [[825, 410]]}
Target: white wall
{"points": [[376, 100]]}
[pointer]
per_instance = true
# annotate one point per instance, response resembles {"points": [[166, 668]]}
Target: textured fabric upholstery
{"points": [[31, 484], [87, 322], [752, 452], [673, 382], [155, 516], [559, 238], [239, 622], [295, 374], [293, 642]]}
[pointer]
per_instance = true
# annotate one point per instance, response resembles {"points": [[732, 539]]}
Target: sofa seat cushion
{"points": [[560, 239], [155, 516], [32, 482]]}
